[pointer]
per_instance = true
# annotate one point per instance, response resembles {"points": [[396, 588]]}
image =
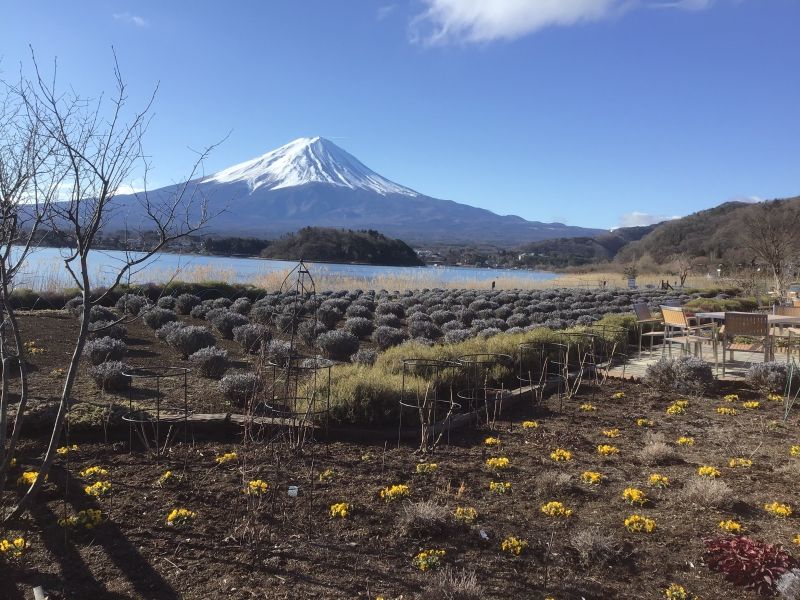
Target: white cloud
{"points": [[636, 219], [487, 20], [132, 19], [385, 11]]}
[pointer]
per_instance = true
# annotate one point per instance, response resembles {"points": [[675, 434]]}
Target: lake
{"points": [[45, 270]]}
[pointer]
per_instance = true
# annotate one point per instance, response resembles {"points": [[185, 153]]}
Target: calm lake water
{"points": [[45, 270]]}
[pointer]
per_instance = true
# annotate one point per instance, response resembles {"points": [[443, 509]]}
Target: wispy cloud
{"points": [[636, 219], [127, 17], [447, 21], [385, 11]]}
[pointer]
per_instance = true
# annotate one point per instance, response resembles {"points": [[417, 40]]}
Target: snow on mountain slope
{"points": [[308, 160]]}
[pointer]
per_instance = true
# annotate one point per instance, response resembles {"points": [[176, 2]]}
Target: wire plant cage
{"points": [[158, 405], [480, 370], [426, 397]]}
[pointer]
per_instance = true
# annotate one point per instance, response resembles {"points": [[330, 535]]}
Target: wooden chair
{"points": [[789, 335], [677, 328], [748, 325], [645, 318]]}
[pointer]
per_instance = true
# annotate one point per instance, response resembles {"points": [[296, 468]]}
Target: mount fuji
{"points": [[313, 182]]}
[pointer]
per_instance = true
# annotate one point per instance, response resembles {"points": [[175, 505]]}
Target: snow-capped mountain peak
{"points": [[308, 160]]}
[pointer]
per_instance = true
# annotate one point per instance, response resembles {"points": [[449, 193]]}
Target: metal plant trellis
{"points": [[427, 392], [157, 402], [543, 365], [480, 370]]}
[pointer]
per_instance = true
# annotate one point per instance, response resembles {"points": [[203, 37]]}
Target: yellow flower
{"points": [[775, 398], [14, 548], [607, 450], [611, 433], [740, 462], [340, 510], [165, 478], [644, 423], [685, 440], [28, 478], [88, 519], [676, 592], [428, 559], [708, 471], [65, 449], [90, 472], [561, 455], [492, 441], [618, 395], [426, 468], [499, 487], [657, 480], [498, 464], [530, 424], [587, 407], [556, 509], [395, 492], [513, 545], [682, 403], [675, 409], [731, 398], [326, 475], [180, 516], [465, 514], [638, 524], [725, 410], [98, 488], [224, 459], [777, 509], [794, 451], [256, 487], [730, 526], [752, 404], [634, 496], [591, 477], [796, 540]]}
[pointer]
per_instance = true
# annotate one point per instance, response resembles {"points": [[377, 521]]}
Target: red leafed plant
{"points": [[751, 563]]}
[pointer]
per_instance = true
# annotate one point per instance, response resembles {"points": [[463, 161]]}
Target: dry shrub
{"points": [[656, 450], [451, 584], [423, 518], [553, 483], [708, 493], [595, 546]]}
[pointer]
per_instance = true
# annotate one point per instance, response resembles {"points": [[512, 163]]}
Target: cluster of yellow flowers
{"points": [[340, 510], [66, 449], [492, 441], [498, 463], [730, 526], [28, 478], [32, 348], [726, 410], [499, 487], [634, 496], [426, 468], [678, 592], [165, 478], [794, 451], [256, 487], [638, 524], [326, 475], [556, 509], [180, 517], [224, 459], [682, 403], [607, 450], [685, 440], [513, 545], [775, 397], [465, 514], [676, 409], [752, 405], [611, 433], [87, 519], [740, 462], [657, 480], [731, 398], [776, 509], [530, 424], [14, 548], [428, 559], [561, 455], [618, 395], [644, 422], [91, 472], [587, 407], [98, 488], [591, 477], [708, 471], [395, 492]]}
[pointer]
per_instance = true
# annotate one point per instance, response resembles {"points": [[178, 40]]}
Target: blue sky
{"points": [[590, 112]]}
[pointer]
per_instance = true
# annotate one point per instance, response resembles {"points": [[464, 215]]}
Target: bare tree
{"points": [[772, 236], [29, 177], [683, 264], [100, 144]]}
